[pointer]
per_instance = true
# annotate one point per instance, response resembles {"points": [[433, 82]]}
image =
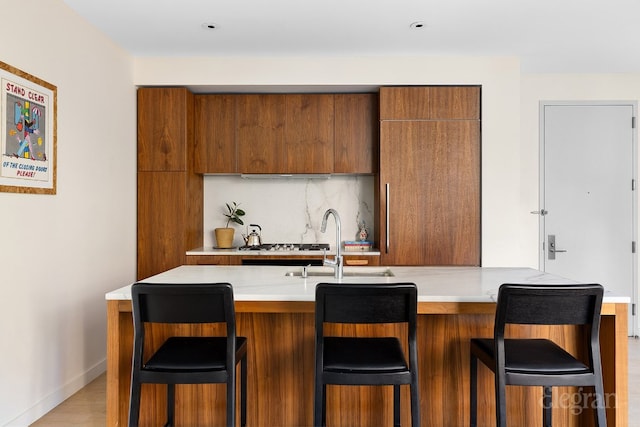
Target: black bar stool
{"points": [[366, 360], [540, 362], [187, 359]]}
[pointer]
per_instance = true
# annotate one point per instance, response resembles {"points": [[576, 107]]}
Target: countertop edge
{"points": [[435, 284]]}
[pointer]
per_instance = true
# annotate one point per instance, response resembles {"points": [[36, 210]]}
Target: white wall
{"points": [[60, 253], [502, 216]]}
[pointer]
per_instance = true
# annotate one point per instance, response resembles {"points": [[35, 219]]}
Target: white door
{"points": [[587, 197]]}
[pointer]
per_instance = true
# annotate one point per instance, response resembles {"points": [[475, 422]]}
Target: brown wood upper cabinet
{"points": [[260, 133], [308, 136], [215, 142], [162, 143], [356, 133], [286, 133], [430, 103]]}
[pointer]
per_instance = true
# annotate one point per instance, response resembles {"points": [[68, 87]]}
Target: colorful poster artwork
{"points": [[28, 144]]}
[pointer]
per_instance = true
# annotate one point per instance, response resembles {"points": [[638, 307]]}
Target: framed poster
{"points": [[27, 132]]}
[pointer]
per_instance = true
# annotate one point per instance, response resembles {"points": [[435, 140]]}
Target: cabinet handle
{"points": [[387, 217]]}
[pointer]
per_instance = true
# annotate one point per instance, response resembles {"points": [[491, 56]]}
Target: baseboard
{"points": [[57, 397]]}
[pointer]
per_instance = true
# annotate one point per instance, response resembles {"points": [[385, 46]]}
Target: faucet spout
{"points": [[337, 262]]}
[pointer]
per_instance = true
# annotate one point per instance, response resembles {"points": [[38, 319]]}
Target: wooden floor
{"points": [[87, 408], [634, 382]]}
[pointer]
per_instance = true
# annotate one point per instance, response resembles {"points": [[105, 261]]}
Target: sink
{"points": [[348, 272]]}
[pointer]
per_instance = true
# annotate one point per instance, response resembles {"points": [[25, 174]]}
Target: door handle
{"points": [[551, 240], [387, 240], [541, 212]]}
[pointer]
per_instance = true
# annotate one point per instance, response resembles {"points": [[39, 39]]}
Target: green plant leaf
{"points": [[234, 214]]}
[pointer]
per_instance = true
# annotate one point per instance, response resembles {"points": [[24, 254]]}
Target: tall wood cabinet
{"points": [[430, 175], [169, 191]]}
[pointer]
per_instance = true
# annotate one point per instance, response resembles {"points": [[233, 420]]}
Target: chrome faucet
{"points": [[337, 261]]}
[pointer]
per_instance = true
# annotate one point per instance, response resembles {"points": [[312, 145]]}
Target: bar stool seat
{"points": [[363, 355], [551, 359]]}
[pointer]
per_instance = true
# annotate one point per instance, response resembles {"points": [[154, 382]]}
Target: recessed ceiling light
{"points": [[418, 25], [209, 26]]}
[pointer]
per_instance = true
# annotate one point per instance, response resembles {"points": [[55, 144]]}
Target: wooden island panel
{"points": [[281, 372]]}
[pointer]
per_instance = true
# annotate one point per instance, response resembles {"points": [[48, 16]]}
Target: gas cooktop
{"points": [[287, 247]]}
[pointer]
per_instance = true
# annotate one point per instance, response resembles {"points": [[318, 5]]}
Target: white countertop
{"points": [[235, 251], [435, 284]]}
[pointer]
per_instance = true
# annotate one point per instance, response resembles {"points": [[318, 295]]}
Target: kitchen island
{"points": [[275, 312]]}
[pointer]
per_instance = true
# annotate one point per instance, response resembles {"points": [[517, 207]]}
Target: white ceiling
{"points": [[547, 35]]}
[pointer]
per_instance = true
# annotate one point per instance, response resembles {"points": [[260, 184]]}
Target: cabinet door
{"points": [[309, 134], [361, 260], [163, 128], [260, 133], [430, 103], [161, 222], [356, 133], [430, 192], [169, 219], [209, 260], [215, 145]]}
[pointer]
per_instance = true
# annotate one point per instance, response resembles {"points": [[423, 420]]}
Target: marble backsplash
{"points": [[290, 210]]}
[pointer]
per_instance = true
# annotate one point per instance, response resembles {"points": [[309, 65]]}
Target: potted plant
{"points": [[224, 236]]}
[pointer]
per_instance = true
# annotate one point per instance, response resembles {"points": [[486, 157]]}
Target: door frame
{"points": [[541, 176]]}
